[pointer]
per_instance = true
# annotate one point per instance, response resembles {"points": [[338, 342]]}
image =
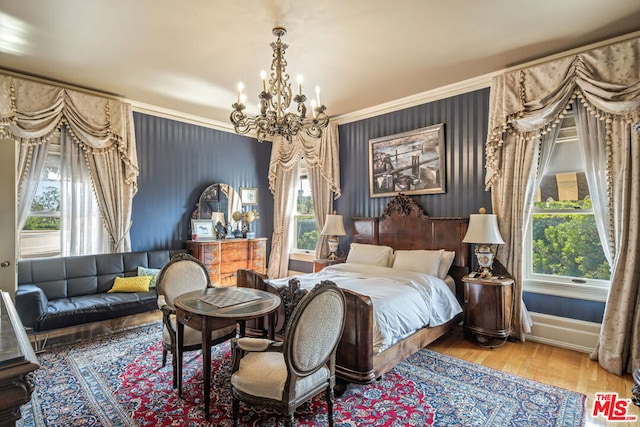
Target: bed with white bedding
{"points": [[395, 286], [403, 301]]}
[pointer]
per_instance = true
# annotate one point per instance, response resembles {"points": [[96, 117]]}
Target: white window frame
{"points": [[563, 286], [295, 252]]}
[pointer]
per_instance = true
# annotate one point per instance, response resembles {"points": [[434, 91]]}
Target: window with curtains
{"points": [[305, 229], [563, 251], [62, 202]]}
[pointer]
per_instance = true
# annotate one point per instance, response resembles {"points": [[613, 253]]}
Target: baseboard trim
{"points": [[563, 332]]}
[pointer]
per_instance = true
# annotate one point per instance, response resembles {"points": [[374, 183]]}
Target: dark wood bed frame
{"points": [[403, 225]]}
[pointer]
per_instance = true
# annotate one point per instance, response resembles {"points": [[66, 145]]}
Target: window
{"points": [[563, 252], [40, 236], [64, 218], [305, 228]]}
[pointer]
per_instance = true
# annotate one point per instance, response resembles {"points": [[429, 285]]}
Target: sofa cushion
{"points": [[131, 284], [92, 308]]}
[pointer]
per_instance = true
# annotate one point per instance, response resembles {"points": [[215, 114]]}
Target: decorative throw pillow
{"points": [[445, 263], [420, 260], [362, 253], [131, 284], [153, 272]]}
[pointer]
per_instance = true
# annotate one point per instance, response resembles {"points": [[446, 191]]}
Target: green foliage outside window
{"points": [[307, 233], [567, 244], [47, 205]]}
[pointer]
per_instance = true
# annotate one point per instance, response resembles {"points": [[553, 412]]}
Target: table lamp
{"points": [[483, 231], [333, 227], [217, 217]]}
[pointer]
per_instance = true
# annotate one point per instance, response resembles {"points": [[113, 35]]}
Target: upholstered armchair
{"points": [[286, 374], [182, 274]]}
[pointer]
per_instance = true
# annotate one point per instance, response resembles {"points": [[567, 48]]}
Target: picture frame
{"points": [[411, 163], [249, 196], [202, 229]]}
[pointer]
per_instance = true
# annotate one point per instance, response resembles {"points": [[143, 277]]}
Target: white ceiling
{"points": [[188, 55]]}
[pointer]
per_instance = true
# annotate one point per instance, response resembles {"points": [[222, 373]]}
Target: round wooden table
{"points": [[214, 308]]}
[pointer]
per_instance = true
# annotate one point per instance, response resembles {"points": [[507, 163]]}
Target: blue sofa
{"points": [[60, 292]]}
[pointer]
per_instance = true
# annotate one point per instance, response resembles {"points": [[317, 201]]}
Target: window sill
{"points": [[582, 292], [299, 256]]}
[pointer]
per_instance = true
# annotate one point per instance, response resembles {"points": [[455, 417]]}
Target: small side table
{"points": [[488, 308], [320, 263]]}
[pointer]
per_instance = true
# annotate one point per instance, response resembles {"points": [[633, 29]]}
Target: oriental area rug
{"points": [[119, 381]]}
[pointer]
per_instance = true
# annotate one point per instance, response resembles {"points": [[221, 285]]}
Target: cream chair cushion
{"points": [[264, 375]]}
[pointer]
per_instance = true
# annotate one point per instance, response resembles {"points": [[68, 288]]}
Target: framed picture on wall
{"points": [[249, 196], [202, 229], [411, 162]]}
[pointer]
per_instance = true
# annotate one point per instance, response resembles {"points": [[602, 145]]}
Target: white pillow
{"points": [[362, 253], [421, 260], [445, 263]]}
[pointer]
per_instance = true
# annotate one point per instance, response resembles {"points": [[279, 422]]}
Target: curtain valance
{"points": [[531, 101], [322, 154], [30, 112]]}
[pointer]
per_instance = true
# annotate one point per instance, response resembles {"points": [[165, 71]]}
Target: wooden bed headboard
{"points": [[404, 225]]}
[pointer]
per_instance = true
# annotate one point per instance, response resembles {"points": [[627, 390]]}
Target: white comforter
{"points": [[403, 301]]}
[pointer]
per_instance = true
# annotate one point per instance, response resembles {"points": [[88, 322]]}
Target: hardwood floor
{"points": [[546, 364]]}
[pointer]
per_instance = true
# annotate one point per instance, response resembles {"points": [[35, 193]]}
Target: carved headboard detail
{"points": [[404, 225]]}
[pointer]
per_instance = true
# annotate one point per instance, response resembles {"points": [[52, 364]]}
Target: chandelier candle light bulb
{"points": [[263, 76]]}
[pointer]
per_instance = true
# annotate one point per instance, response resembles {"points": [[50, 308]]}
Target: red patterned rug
{"points": [[118, 381]]}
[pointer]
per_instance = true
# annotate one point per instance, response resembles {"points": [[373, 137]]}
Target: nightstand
{"points": [[488, 307], [320, 263]]}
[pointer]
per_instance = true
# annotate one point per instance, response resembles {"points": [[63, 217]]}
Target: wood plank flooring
{"points": [[546, 364]]}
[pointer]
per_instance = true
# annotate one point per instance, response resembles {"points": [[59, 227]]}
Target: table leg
{"points": [[206, 369], [178, 355], [272, 326]]}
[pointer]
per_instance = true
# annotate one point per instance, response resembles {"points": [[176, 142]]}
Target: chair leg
{"points": [[174, 363], [235, 411], [164, 357], [329, 395], [290, 420]]}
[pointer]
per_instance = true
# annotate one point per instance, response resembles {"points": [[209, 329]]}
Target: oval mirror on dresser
{"points": [[221, 198]]}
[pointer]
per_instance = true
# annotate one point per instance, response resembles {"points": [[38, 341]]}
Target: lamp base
{"points": [[333, 247], [485, 255]]}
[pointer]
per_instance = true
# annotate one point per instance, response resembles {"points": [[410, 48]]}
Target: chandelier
{"points": [[275, 99]]}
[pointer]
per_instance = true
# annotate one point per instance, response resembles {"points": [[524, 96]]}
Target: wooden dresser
{"points": [[223, 258]]}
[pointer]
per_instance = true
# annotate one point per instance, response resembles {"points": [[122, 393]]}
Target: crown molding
{"points": [[180, 116], [448, 91]]}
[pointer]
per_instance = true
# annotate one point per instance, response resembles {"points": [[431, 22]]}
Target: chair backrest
{"points": [[314, 329], [183, 273]]}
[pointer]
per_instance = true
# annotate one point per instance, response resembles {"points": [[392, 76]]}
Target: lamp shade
{"points": [[217, 217], [483, 228], [333, 226]]}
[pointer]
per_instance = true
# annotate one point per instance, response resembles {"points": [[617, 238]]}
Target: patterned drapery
{"points": [[322, 158], [30, 113], [526, 106]]}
